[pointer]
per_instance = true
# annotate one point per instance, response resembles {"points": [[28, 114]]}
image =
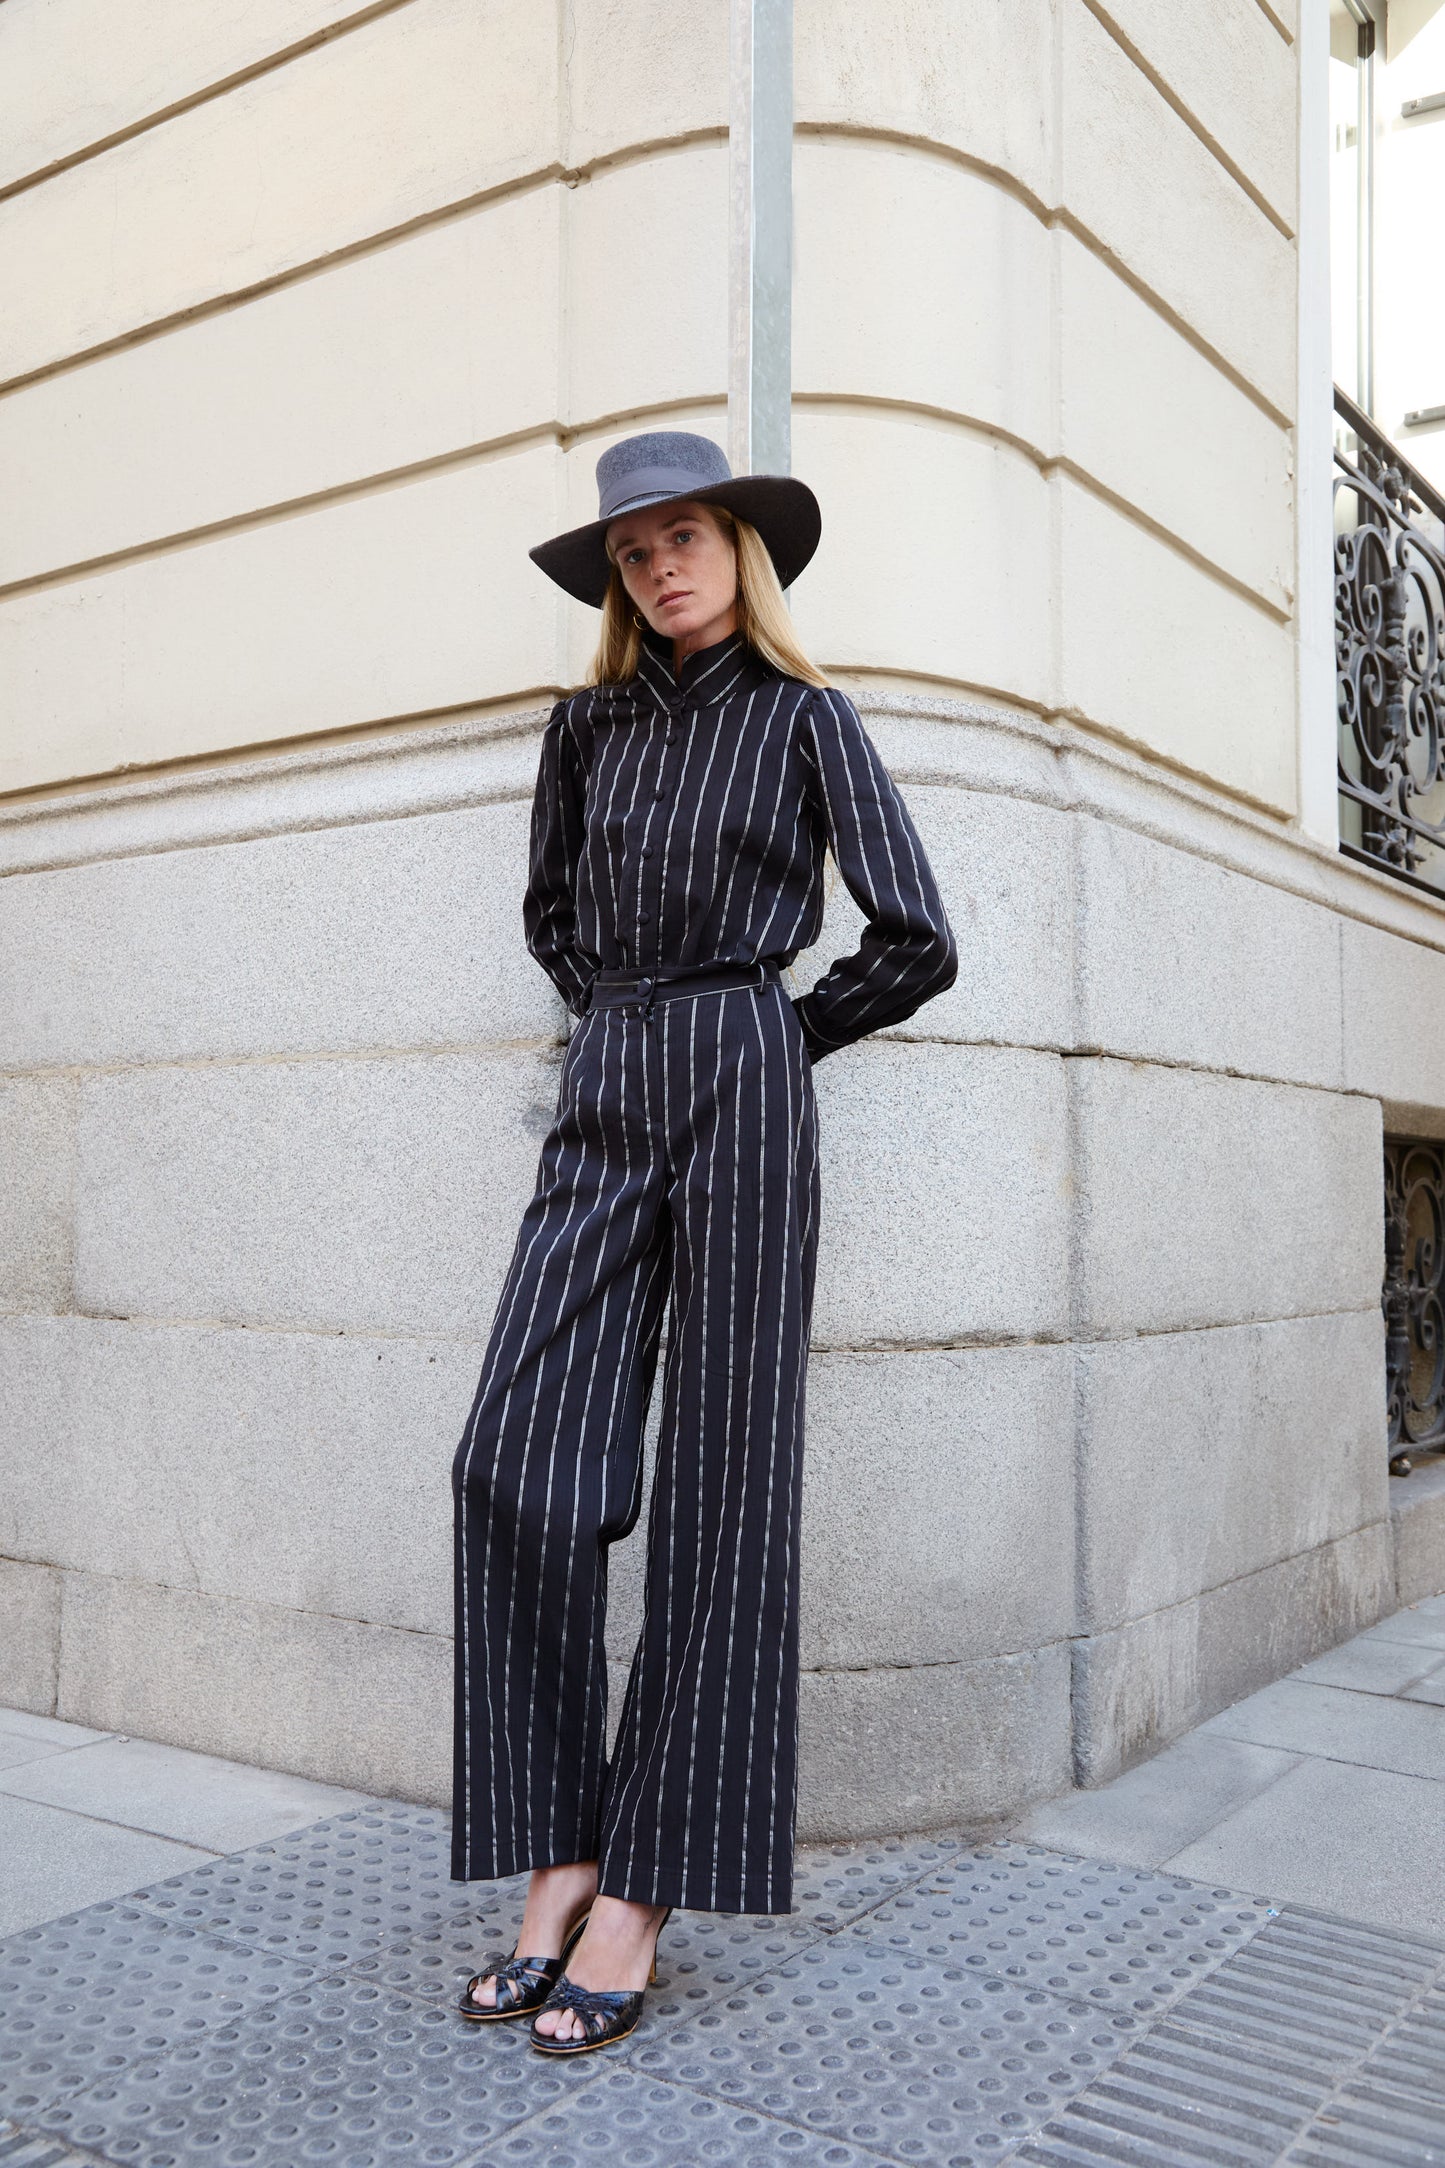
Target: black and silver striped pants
{"points": [[680, 1174]]}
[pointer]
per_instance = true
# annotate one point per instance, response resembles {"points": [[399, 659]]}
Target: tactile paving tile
{"points": [[1125, 1939], [1248, 2060], [1411, 2056], [342, 1889], [628, 2121], [1321, 1990], [833, 1884], [915, 2059], [336, 2075], [1181, 2096], [1364, 2123], [700, 1956], [22, 2149], [81, 1997]]}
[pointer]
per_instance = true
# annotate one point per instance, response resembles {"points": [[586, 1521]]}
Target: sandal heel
{"points": [[652, 1976]]}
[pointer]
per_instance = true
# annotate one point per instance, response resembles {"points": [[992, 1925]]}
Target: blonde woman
{"points": [[684, 805]]}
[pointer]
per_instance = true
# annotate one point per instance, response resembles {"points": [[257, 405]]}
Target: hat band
{"points": [[655, 485]]}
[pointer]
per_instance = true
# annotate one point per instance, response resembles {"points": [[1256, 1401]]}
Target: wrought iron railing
{"points": [[1389, 654], [1414, 1296]]}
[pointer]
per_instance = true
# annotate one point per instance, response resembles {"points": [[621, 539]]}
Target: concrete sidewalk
{"points": [[1327, 1788], [1234, 1954]]}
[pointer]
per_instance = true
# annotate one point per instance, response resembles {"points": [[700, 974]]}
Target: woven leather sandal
{"points": [[607, 2014], [523, 1983]]}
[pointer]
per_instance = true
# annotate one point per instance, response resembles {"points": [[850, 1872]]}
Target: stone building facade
{"points": [[318, 314]]}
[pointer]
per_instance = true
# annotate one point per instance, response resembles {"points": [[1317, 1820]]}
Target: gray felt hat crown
{"points": [[658, 468]]}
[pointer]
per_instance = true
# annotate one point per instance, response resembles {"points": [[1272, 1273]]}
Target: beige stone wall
{"points": [[300, 332], [319, 315], [1045, 362]]}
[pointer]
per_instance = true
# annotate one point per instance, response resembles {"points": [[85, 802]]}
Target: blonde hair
{"points": [[763, 619]]}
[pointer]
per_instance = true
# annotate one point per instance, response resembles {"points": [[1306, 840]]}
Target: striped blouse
{"points": [[682, 821]]}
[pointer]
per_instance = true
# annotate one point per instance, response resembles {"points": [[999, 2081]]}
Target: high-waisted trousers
{"points": [[680, 1178]]}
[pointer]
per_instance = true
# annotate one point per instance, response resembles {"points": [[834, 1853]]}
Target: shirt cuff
{"points": [[816, 1047]]}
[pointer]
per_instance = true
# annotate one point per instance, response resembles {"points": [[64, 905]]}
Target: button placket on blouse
{"points": [[649, 916]]}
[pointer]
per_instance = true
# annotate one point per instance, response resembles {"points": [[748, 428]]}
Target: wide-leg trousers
{"points": [[680, 1178]]}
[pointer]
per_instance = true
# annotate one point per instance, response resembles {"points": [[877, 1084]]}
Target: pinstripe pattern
{"points": [[685, 824], [677, 826]]}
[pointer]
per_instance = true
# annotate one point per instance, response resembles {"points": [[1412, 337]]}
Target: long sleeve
{"points": [[907, 953], [549, 907]]}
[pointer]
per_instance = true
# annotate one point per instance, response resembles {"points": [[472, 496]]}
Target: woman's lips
{"points": [[668, 601]]}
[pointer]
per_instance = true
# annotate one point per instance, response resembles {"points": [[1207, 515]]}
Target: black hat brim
{"points": [[784, 511]]}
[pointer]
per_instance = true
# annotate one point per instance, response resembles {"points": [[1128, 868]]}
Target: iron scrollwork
{"points": [[1414, 1297], [1389, 656]]}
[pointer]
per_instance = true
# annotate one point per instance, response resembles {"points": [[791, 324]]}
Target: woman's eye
{"points": [[630, 557], [684, 534]]}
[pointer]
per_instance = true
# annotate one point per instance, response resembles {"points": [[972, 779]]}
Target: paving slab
{"points": [[837, 1883], [336, 2071], [195, 1798], [1330, 1721], [1362, 1842], [16, 1750], [346, 1889], [20, 2149], [894, 2053], [1429, 1689], [1250, 2066], [26, 1726], [623, 2117], [1371, 1664], [1411, 2057], [1418, 1624], [55, 1862], [1144, 1816], [1364, 2123], [1121, 1938], [84, 1996]]}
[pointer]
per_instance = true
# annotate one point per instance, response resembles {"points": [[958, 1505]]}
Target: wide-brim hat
{"points": [[661, 467]]}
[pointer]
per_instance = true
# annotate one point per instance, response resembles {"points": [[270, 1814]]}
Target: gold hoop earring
{"points": [[639, 621]]}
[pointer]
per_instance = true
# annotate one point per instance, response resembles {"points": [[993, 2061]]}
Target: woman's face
{"points": [[681, 572]]}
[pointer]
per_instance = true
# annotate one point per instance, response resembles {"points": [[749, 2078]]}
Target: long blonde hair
{"points": [[763, 619]]}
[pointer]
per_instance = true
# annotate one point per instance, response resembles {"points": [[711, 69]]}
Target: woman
{"points": [[684, 804]]}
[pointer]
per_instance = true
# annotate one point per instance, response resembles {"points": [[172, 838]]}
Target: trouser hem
{"points": [[696, 1895], [501, 1866]]}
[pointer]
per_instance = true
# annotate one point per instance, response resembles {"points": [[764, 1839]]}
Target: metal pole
{"points": [[1366, 35], [1365, 174], [760, 269]]}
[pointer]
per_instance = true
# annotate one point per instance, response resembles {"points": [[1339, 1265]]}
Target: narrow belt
{"points": [[642, 989]]}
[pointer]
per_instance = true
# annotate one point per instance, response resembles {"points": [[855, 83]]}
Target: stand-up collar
{"points": [[708, 675]]}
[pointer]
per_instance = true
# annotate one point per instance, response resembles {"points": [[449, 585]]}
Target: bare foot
{"points": [[616, 1952], [556, 1898]]}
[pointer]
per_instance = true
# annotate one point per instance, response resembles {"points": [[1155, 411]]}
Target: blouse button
{"points": [[647, 850], [644, 918]]}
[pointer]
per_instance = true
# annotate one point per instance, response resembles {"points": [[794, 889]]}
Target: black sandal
{"points": [[607, 2013], [526, 1982]]}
